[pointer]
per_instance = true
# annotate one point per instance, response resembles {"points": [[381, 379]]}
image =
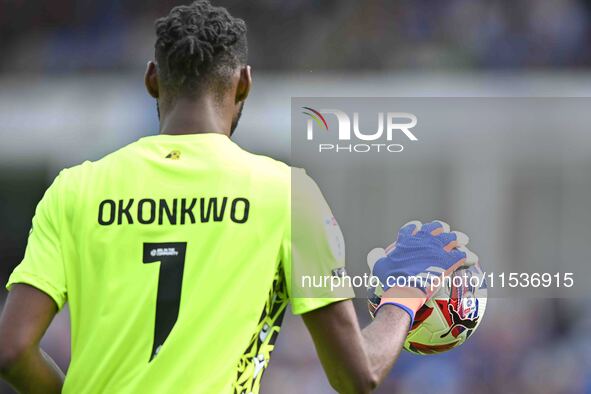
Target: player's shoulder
{"points": [[75, 175], [267, 163], [293, 177], [265, 167], [118, 157]]}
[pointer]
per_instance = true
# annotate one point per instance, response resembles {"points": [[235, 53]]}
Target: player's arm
{"points": [[24, 320], [355, 360], [38, 290]]}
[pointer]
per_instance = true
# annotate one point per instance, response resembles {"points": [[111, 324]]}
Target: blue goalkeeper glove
{"points": [[422, 252]]}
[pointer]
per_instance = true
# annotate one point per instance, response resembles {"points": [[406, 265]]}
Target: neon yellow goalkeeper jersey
{"points": [[174, 255]]}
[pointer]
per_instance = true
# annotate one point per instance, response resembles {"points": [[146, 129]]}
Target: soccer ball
{"points": [[450, 317]]}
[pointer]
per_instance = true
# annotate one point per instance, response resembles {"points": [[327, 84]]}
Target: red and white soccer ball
{"points": [[450, 317]]}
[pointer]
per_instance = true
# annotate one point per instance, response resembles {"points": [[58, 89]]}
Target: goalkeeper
{"points": [[175, 257]]}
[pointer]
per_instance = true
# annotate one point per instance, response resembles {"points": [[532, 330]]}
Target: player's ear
{"points": [[244, 84], [151, 80]]}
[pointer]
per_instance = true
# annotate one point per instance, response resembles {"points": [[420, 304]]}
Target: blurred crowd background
{"points": [[71, 89], [63, 36]]}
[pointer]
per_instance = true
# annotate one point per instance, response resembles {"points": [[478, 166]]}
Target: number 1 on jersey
{"points": [[171, 257]]}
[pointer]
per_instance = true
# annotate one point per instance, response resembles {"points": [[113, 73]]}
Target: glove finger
{"points": [[471, 257], [373, 256], [459, 259], [436, 227], [446, 228], [462, 238], [449, 240], [390, 247], [410, 228], [458, 255]]}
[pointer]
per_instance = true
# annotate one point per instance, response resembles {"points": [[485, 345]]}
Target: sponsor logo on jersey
{"points": [[164, 252], [174, 155]]}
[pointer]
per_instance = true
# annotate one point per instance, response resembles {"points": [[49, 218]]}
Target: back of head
{"points": [[199, 46]]}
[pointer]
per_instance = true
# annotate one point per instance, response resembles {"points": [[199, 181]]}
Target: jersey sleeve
{"points": [[313, 253], [43, 264]]}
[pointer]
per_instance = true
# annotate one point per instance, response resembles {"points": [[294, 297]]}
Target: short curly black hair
{"points": [[198, 44]]}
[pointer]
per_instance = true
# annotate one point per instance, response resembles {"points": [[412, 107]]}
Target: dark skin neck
{"points": [[205, 111], [214, 110], [196, 115]]}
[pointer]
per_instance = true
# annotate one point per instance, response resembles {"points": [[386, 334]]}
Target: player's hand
{"points": [[422, 252]]}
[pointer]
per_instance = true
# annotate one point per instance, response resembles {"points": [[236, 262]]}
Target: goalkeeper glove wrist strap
{"points": [[409, 299]]}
